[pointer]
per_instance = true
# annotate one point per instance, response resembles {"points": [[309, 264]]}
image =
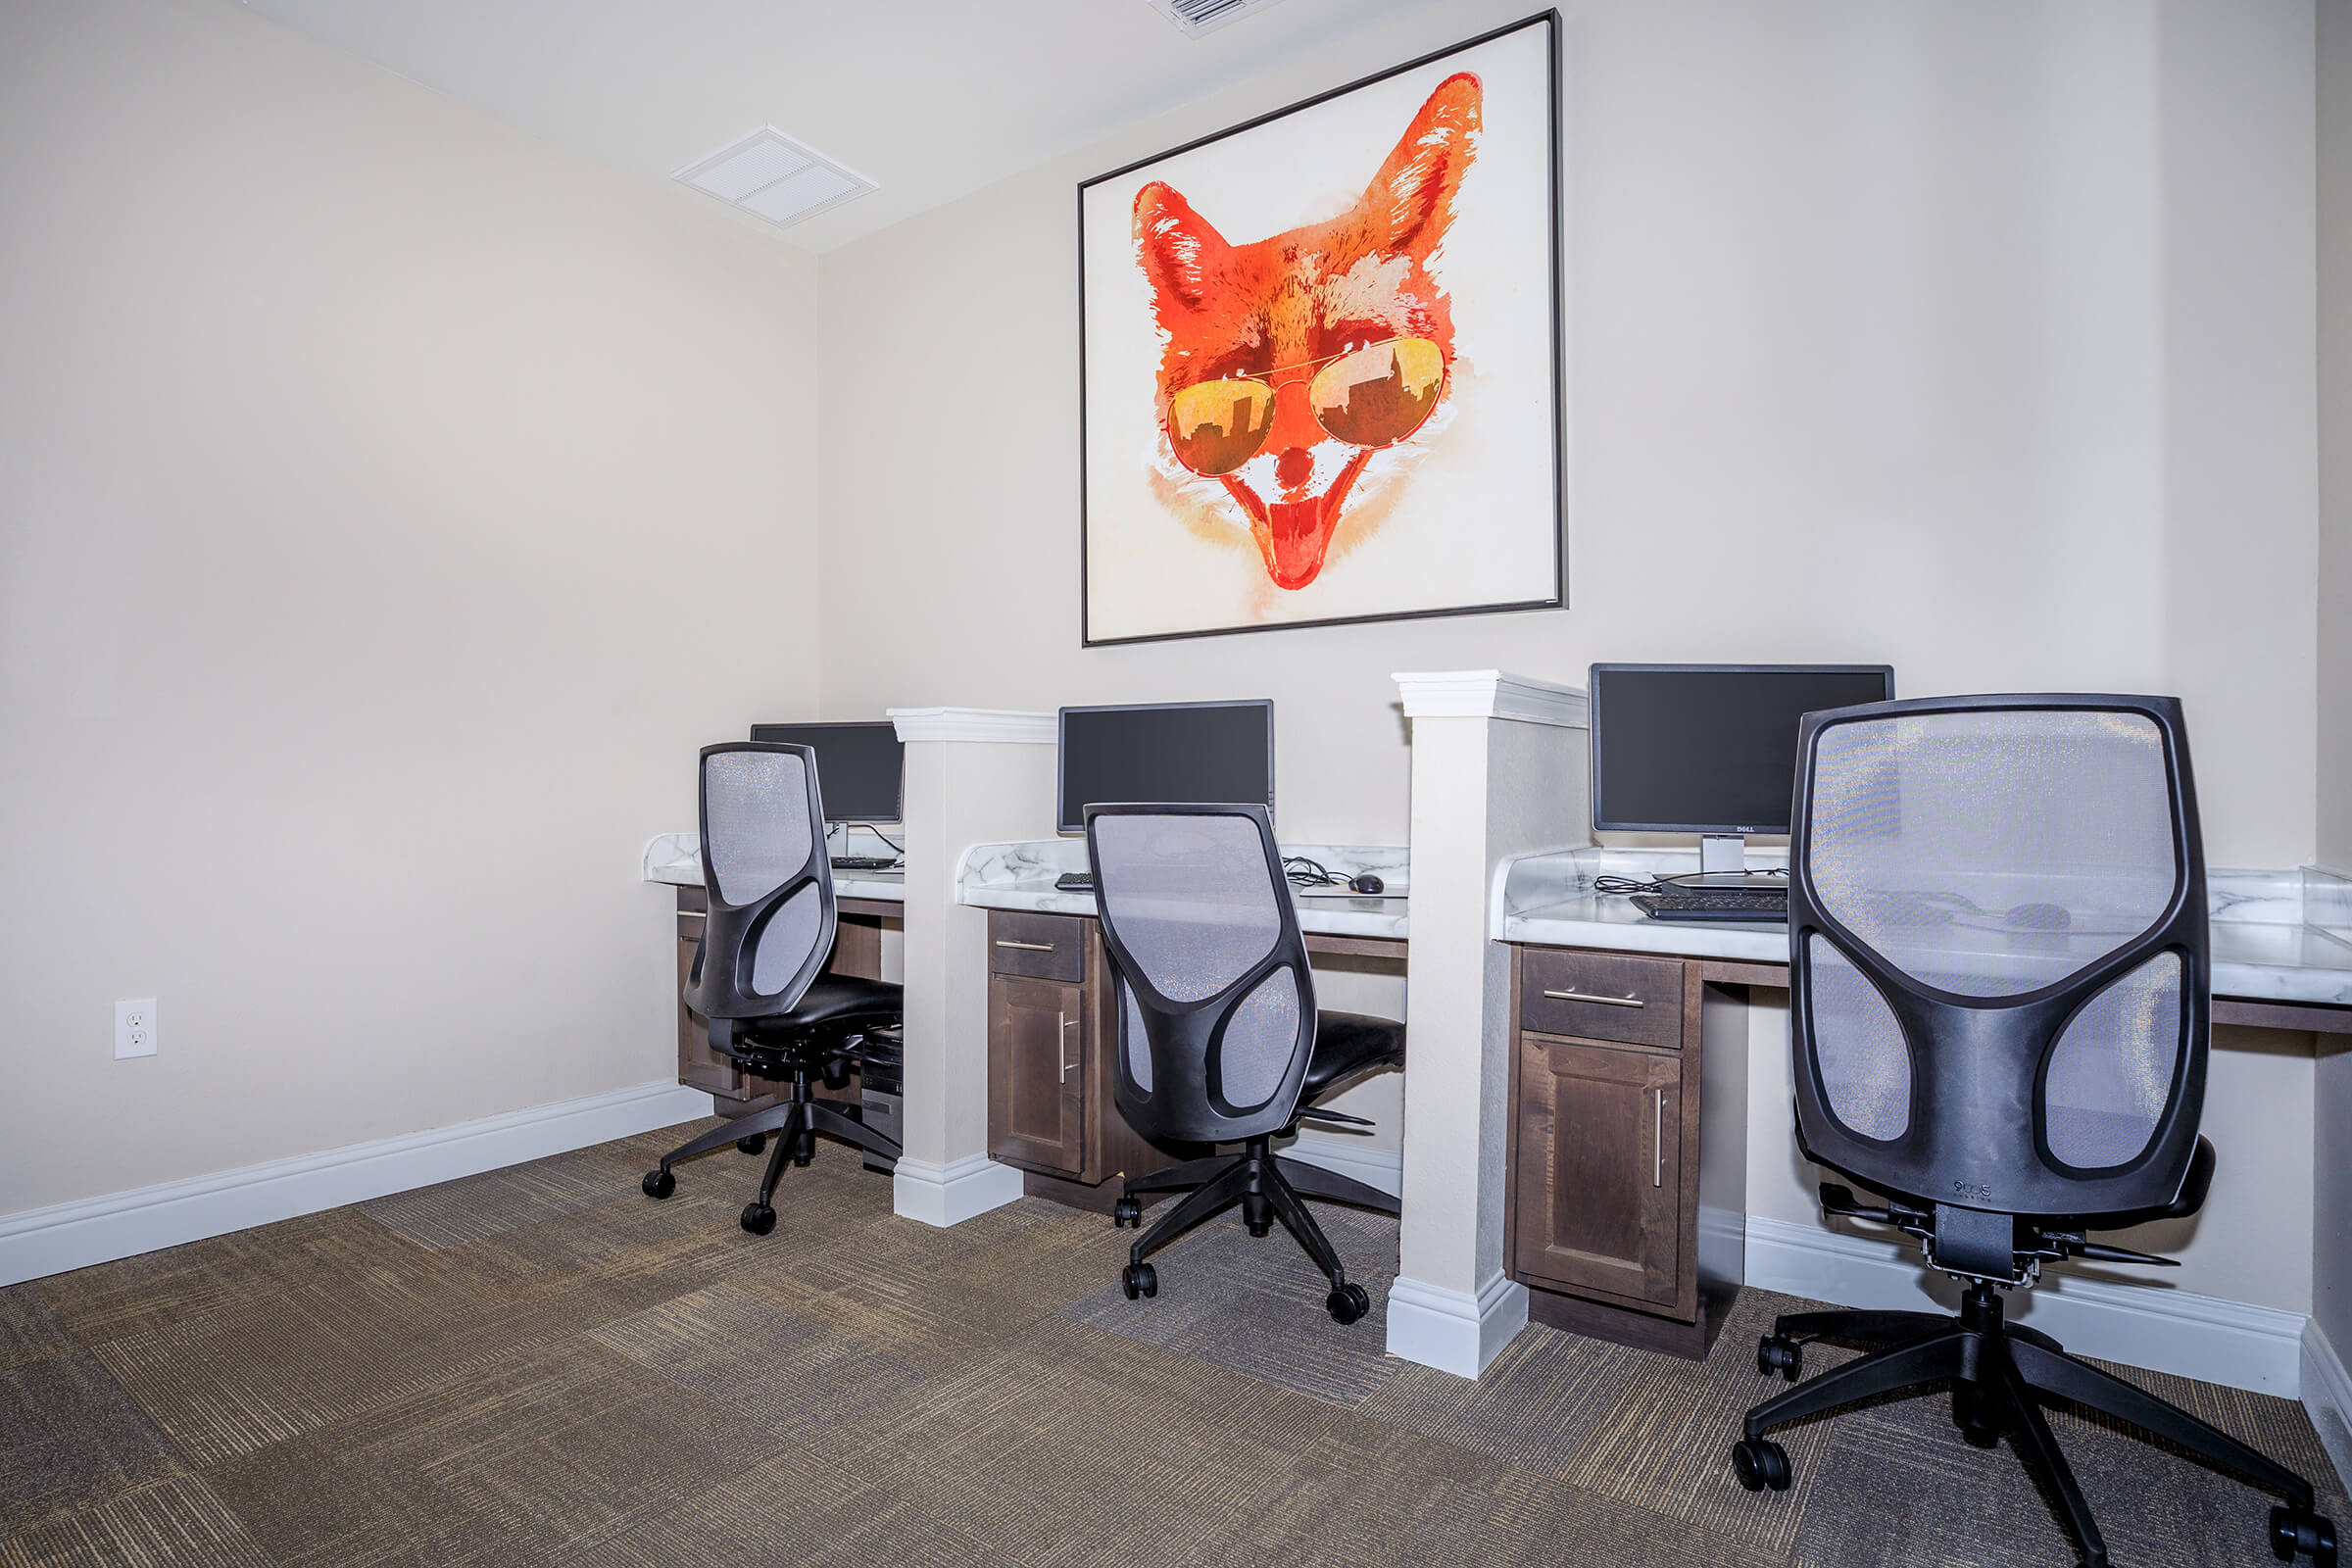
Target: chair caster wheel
{"points": [[1262, 1230], [1777, 1352], [1760, 1462], [1138, 1279], [658, 1184], [758, 1218], [1347, 1302], [2296, 1531], [753, 1145], [1125, 1212]]}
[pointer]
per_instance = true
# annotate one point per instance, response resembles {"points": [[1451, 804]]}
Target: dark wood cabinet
{"points": [[1625, 1206], [1601, 1180], [1037, 1074], [1052, 1111]]}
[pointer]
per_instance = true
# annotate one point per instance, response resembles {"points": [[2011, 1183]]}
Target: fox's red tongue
{"points": [[1298, 539]]}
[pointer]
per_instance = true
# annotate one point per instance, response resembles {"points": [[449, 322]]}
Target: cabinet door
{"points": [[1598, 1188], [697, 1068], [1037, 1074]]}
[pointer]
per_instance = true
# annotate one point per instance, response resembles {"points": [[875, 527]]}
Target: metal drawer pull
{"points": [[1059, 1057], [1573, 994], [1026, 947], [1658, 1141]]}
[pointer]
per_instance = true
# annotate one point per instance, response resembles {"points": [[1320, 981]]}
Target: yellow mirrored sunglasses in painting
{"points": [[1374, 396]]}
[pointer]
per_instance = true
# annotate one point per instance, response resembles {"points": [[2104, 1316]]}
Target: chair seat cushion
{"points": [[1348, 1044], [834, 1000]]}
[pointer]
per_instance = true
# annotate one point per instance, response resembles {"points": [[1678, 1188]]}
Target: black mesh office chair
{"points": [[1999, 992], [760, 975], [1219, 1038]]}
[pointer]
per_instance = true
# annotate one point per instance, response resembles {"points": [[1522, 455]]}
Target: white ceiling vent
{"points": [[1198, 17], [770, 176]]}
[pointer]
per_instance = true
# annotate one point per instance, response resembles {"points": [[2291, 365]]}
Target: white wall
{"points": [[1975, 338], [388, 507]]}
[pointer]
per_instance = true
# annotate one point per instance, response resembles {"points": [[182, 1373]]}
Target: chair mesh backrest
{"points": [[755, 816], [759, 821], [1195, 904], [2112, 1069], [1865, 1067], [1990, 852]]}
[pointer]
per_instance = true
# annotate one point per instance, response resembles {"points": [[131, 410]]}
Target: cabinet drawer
{"points": [[1041, 946], [1602, 995], [693, 901]]}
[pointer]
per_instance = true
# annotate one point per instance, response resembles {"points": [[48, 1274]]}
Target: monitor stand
{"points": [[1723, 868]]}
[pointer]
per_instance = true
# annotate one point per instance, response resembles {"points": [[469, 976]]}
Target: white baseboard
{"points": [[2327, 1395], [1383, 1168], [99, 1230], [1453, 1330], [951, 1193], [2233, 1342]]}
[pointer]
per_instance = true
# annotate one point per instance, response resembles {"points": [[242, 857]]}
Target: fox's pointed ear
{"points": [[1412, 199], [1180, 251]]}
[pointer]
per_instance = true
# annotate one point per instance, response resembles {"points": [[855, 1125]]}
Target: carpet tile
{"points": [[540, 1367]]}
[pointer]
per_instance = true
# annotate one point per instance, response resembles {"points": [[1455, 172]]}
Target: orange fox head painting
{"points": [[1287, 363], [1319, 359]]}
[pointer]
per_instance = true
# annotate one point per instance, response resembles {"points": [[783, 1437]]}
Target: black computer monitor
{"points": [[1196, 753], [860, 769], [1710, 749]]}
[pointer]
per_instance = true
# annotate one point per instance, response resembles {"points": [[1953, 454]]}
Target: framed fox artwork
{"points": [[1320, 358]]}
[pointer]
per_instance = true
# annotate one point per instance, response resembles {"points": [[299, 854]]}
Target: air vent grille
{"points": [[770, 176], [1197, 16]]}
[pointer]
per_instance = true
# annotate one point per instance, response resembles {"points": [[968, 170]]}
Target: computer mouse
{"points": [[1365, 882], [2038, 917]]}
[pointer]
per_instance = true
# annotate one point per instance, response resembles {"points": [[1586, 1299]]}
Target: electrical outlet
{"points": [[134, 1028]]}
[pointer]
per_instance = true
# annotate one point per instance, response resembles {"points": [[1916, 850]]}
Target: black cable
{"points": [[1303, 872], [895, 849], [1634, 884]]}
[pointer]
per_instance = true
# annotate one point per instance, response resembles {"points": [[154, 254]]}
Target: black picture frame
{"points": [[1550, 21]]}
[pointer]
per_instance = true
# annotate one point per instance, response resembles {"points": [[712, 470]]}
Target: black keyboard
{"points": [[1763, 908], [865, 862], [1074, 882]]}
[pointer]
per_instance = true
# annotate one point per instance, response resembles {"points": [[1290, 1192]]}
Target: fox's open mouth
{"points": [[1293, 535]]}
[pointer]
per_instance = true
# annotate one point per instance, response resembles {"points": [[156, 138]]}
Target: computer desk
{"points": [[1053, 1023], [1629, 1049]]}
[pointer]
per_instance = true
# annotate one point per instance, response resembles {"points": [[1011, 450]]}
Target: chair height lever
{"points": [[2069, 1244], [1839, 1199]]}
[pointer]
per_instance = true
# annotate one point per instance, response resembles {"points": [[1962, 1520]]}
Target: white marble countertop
{"points": [[2263, 946], [1020, 877], [678, 858]]}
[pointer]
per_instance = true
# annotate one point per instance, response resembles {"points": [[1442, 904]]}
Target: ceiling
{"points": [[931, 99]]}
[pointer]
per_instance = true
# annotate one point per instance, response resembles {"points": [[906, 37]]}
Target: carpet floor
{"points": [[541, 1368]]}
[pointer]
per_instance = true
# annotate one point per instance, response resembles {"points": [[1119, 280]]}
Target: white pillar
{"points": [[1499, 770], [973, 776]]}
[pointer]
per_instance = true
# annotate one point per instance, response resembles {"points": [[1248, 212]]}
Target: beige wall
{"points": [[1974, 338], [388, 507], [2332, 1264], [2335, 433]]}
